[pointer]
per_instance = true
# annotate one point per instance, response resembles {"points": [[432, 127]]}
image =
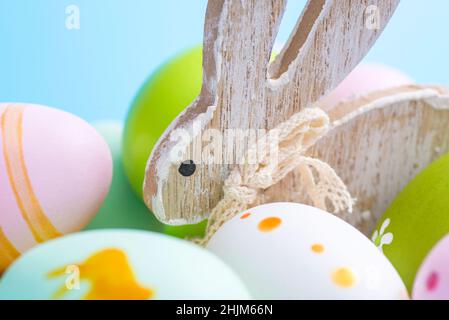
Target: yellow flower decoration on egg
{"points": [[111, 278]]}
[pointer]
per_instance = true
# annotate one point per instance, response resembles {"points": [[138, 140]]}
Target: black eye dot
{"points": [[187, 168]]}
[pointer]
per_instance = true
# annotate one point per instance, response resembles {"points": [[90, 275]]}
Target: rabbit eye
{"points": [[187, 168]]}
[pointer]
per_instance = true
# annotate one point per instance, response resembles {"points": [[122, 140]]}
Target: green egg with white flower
{"points": [[416, 220]]}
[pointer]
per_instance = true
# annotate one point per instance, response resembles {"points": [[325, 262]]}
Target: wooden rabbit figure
{"points": [[196, 160]]}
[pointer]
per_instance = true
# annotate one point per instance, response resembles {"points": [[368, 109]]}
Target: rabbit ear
{"points": [[239, 37], [329, 40]]}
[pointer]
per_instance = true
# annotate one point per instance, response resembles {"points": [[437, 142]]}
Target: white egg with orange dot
{"points": [[294, 251]]}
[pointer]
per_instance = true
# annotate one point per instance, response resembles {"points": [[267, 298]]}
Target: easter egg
{"points": [[187, 231], [294, 251], [160, 100], [416, 220], [366, 78], [120, 264], [432, 279], [122, 208], [55, 171]]}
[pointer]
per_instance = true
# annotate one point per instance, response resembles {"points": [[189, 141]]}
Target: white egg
{"points": [[294, 251]]}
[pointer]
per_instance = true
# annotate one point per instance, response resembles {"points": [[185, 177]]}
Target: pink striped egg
{"points": [[55, 171]]}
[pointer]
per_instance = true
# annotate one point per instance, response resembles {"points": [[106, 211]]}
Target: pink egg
{"points": [[432, 279], [366, 78], [55, 171]]}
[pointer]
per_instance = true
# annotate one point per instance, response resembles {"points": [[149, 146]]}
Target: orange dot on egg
{"points": [[317, 248], [344, 277], [245, 216], [269, 224]]}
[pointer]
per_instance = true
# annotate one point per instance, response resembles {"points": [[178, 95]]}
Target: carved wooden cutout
{"points": [[242, 91]]}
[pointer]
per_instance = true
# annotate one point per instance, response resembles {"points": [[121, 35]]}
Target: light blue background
{"points": [[95, 72]]}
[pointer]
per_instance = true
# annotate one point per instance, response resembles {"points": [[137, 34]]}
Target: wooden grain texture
{"points": [[241, 90], [378, 144]]}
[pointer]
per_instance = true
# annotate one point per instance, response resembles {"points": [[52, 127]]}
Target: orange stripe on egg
{"points": [[8, 253], [27, 201]]}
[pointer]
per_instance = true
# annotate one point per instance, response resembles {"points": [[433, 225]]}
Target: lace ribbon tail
{"points": [[324, 185]]}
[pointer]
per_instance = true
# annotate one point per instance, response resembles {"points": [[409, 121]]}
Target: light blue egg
{"points": [[125, 264], [122, 208]]}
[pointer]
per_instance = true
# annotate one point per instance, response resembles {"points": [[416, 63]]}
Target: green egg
{"points": [[187, 231], [416, 220], [122, 208]]}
